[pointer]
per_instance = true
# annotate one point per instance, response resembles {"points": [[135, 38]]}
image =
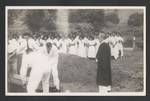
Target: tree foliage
{"points": [[49, 20], [38, 19], [34, 20], [112, 18], [92, 16], [81, 28], [135, 19], [12, 16]]}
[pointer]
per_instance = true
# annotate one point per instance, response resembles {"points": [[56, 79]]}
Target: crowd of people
{"points": [[80, 45], [32, 49]]}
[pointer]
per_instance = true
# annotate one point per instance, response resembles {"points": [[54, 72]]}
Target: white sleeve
{"points": [[10, 48], [22, 47], [34, 45]]}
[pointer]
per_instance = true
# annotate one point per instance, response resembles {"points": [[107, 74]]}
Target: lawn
{"points": [[79, 74]]}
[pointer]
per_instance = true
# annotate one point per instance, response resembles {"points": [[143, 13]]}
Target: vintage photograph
{"points": [[75, 50]]}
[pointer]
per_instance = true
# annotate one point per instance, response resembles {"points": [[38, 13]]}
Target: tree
{"points": [[135, 19], [34, 20], [81, 28], [12, 16], [40, 19], [112, 18], [93, 16], [50, 19]]}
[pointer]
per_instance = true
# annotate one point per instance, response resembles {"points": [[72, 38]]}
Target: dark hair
{"points": [[27, 34], [48, 44], [15, 36], [81, 36]]}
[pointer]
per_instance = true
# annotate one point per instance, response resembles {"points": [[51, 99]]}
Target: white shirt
{"points": [[39, 60], [81, 48], [13, 46], [72, 45], [32, 44], [53, 55]]}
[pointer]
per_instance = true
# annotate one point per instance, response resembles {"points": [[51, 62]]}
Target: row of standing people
{"points": [[82, 46]]}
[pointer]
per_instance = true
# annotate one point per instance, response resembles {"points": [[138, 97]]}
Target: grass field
{"points": [[79, 74]]}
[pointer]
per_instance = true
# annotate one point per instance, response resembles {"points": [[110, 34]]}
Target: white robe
{"points": [[52, 41], [58, 44], [120, 45], [86, 47], [63, 49], [112, 43], [32, 44], [91, 49], [38, 42], [81, 51], [72, 46], [42, 42]]}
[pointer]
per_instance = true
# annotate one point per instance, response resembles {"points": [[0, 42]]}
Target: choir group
{"points": [[80, 45]]}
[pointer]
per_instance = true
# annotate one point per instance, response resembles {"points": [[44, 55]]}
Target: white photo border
{"points": [[77, 93]]}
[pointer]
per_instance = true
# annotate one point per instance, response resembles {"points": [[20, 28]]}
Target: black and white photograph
{"points": [[75, 51]]}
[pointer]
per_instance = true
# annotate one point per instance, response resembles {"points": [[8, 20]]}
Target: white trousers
{"points": [[37, 76]]}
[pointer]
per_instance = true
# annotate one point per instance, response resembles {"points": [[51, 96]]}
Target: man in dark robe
{"points": [[103, 57]]}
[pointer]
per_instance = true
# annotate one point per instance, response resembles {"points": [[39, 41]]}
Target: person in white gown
{"points": [[72, 46], [91, 48], [113, 47], [120, 45], [63, 42], [58, 43], [42, 40], [86, 46], [52, 39], [38, 39], [81, 51]]}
